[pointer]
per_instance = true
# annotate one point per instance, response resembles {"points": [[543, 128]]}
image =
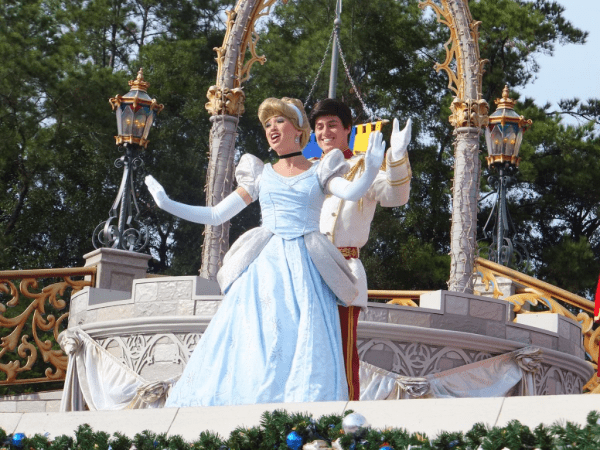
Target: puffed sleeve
{"points": [[248, 173], [333, 164]]}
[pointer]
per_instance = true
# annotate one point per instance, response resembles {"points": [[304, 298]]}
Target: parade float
{"points": [[495, 338]]}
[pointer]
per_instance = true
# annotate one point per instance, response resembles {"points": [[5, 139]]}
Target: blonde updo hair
{"points": [[272, 107]]}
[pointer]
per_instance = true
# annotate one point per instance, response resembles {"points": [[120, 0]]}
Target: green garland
{"points": [[275, 426]]}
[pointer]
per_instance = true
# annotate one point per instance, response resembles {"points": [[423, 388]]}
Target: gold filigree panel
{"points": [[550, 298], [29, 305]]}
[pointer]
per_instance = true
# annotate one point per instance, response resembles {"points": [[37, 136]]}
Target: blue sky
{"points": [[573, 70]]}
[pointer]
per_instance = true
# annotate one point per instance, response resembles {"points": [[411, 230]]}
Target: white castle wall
{"points": [[155, 330]]}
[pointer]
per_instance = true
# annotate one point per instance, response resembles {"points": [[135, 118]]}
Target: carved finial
{"points": [[139, 82], [505, 102]]}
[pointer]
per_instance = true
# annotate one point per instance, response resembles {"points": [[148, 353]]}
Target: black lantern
{"points": [[135, 113], [504, 135]]}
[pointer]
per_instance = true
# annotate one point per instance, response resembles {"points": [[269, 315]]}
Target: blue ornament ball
{"points": [[18, 439], [294, 441], [386, 447]]}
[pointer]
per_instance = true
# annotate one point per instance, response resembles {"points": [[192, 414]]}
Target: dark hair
{"points": [[331, 107]]}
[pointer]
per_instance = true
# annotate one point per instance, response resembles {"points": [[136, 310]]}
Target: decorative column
{"points": [[469, 114], [226, 104], [463, 232], [220, 171]]}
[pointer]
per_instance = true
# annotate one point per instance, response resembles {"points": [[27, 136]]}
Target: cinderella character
{"points": [[276, 336]]}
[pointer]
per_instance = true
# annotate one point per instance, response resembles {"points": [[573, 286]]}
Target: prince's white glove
{"points": [[374, 157], [400, 139], [207, 215]]}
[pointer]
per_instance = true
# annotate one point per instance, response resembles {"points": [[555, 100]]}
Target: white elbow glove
{"points": [[400, 139], [353, 191], [207, 215]]}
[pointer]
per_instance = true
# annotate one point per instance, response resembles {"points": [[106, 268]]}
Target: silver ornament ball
{"points": [[355, 424]]}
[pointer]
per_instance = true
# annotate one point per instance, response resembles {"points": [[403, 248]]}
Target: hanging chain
{"points": [[365, 109], [312, 90]]}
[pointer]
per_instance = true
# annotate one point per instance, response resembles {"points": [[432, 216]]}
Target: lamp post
{"points": [[503, 136], [135, 112]]}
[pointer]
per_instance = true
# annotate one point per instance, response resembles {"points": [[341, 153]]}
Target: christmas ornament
{"points": [[17, 439], [386, 447], [355, 425], [294, 441], [312, 434], [319, 444]]}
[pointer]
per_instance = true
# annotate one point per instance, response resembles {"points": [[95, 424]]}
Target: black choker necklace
{"points": [[290, 155]]}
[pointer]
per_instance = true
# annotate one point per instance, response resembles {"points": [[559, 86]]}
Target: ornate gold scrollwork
{"points": [[472, 113], [454, 51], [469, 112], [231, 100], [34, 316], [245, 70], [487, 278], [536, 292], [402, 298], [591, 345], [402, 302], [225, 101], [231, 16], [250, 40]]}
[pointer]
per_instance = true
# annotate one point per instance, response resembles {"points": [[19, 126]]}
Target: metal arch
{"points": [[469, 114], [462, 46], [226, 104], [232, 69]]}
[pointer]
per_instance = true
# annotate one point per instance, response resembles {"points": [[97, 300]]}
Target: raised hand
{"points": [[400, 139], [157, 191], [375, 151]]}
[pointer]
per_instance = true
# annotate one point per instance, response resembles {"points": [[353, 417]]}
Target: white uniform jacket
{"points": [[347, 224]]}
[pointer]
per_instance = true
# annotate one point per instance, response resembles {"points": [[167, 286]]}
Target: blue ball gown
{"points": [[276, 336]]}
